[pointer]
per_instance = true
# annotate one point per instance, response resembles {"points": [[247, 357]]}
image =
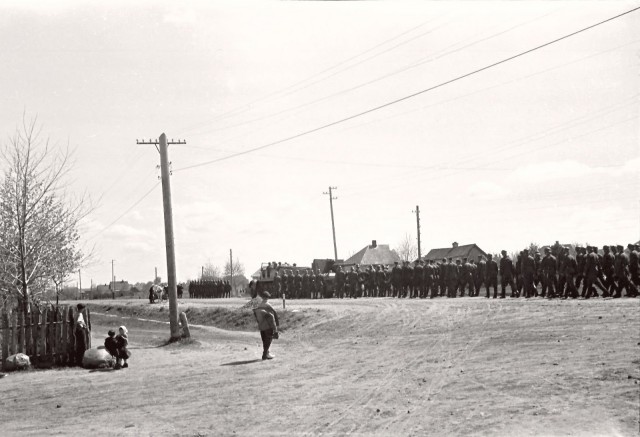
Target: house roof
{"points": [[460, 251], [370, 255]]}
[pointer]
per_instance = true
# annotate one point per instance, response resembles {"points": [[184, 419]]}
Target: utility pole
{"points": [[168, 230], [202, 273], [417, 211], [333, 226], [231, 267], [80, 282], [156, 276], [113, 282]]}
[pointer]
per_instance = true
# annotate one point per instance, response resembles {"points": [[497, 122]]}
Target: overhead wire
{"points": [[286, 89], [407, 97]]}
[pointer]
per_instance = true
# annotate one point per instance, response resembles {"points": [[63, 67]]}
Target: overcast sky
{"points": [[544, 147]]}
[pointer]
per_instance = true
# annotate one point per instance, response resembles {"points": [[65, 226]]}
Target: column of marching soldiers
{"points": [[209, 289], [563, 276]]}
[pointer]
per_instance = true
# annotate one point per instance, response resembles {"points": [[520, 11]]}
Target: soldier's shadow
{"points": [[238, 363]]}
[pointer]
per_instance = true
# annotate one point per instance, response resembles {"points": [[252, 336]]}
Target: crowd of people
{"points": [[209, 289], [557, 274]]}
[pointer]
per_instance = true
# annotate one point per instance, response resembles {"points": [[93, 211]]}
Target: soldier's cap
{"points": [[265, 295], [395, 262], [547, 250], [444, 259], [464, 259], [605, 247], [620, 246], [525, 250], [457, 260], [630, 246], [450, 258], [503, 251]]}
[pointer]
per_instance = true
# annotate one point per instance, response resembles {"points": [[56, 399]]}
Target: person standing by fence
{"points": [[81, 332]]}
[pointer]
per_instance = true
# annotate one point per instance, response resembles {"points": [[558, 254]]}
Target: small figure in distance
{"points": [[122, 345], [111, 346]]}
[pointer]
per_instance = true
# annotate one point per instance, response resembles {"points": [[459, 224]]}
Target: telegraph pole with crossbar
{"points": [[162, 147], [417, 211], [333, 226]]}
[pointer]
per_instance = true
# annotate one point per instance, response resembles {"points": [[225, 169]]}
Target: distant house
{"points": [[324, 265], [456, 251], [373, 254]]}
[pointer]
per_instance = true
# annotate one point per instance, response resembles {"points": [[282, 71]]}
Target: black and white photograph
{"points": [[320, 218]]}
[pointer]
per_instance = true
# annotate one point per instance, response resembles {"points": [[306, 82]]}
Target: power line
{"points": [[137, 202], [410, 96]]}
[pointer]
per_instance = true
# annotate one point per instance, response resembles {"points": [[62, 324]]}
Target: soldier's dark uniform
{"points": [[381, 281], [340, 282], [430, 280], [634, 268], [580, 260], [297, 285], [568, 270], [466, 277], [548, 267], [372, 283], [442, 277], [481, 275], [519, 279], [407, 279], [453, 278], [396, 279], [507, 272], [591, 268], [528, 272], [537, 277], [491, 278], [305, 286], [621, 267], [362, 277], [418, 280], [607, 265], [277, 285], [352, 278]]}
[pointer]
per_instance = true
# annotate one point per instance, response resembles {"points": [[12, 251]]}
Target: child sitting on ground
{"points": [[122, 343], [111, 345]]}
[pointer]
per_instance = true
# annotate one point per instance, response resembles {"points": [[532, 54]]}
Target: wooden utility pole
{"points": [[333, 226], [80, 282], [156, 276], [113, 282], [231, 268], [417, 211], [162, 146]]}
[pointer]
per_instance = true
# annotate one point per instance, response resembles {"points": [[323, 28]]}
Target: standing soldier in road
{"points": [[277, 285], [381, 281], [430, 280], [537, 275], [396, 279], [519, 280], [371, 282], [466, 277], [591, 267], [608, 261], [491, 278], [621, 268], [453, 278], [528, 272], [507, 273], [481, 275], [548, 267], [306, 285], [340, 282], [443, 271], [418, 279], [568, 270], [297, 285], [407, 279], [634, 267], [581, 254]]}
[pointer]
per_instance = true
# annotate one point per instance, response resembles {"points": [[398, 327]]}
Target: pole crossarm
{"points": [[333, 226]]}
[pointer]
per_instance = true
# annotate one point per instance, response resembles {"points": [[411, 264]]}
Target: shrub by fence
{"points": [[46, 335]]}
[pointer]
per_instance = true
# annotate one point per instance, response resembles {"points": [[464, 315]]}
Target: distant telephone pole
{"points": [[162, 147], [333, 226], [113, 281], [417, 211], [231, 267]]}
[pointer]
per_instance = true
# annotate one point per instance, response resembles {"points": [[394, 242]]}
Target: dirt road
{"points": [[384, 367]]}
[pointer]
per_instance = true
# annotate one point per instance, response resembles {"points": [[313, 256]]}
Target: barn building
{"points": [[456, 251]]}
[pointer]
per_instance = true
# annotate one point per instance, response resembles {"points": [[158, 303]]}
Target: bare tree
{"points": [[407, 249], [239, 280], [210, 272], [39, 221]]}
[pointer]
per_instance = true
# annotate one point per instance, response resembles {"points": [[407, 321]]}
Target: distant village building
{"points": [[373, 254], [456, 251], [118, 286]]}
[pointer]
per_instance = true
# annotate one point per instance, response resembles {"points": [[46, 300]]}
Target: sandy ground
{"points": [[384, 367]]}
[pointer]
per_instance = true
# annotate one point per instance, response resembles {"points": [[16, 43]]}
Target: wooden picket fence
{"points": [[45, 335]]}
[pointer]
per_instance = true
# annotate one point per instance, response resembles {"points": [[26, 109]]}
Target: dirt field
{"points": [[384, 367]]}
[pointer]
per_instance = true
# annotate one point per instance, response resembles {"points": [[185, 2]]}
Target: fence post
{"points": [[60, 330], [43, 335], [14, 333], [28, 337], [21, 344], [5, 338]]}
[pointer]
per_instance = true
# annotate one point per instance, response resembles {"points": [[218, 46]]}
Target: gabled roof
{"points": [[460, 251], [370, 255]]}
